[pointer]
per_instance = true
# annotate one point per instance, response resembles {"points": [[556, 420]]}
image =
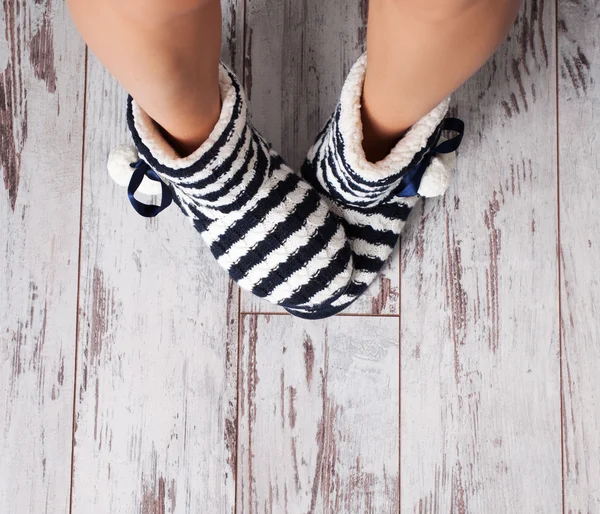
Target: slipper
{"points": [[374, 200], [272, 232]]}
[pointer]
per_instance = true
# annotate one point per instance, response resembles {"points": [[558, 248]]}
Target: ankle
{"points": [[378, 138], [186, 138]]}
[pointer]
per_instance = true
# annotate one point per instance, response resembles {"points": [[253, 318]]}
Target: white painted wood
{"points": [[480, 379], [579, 162], [157, 370], [294, 72], [318, 415], [41, 120], [157, 361]]}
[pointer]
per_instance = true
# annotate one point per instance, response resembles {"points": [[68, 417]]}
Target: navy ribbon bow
{"points": [[143, 170], [409, 186]]}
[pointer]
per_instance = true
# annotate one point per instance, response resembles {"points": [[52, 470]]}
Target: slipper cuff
{"points": [[338, 160], [226, 170], [153, 146]]}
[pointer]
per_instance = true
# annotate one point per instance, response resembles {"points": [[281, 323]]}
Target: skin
{"points": [[442, 43], [165, 53]]}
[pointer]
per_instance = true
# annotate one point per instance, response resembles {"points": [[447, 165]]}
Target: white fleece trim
{"points": [[162, 151], [350, 125]]}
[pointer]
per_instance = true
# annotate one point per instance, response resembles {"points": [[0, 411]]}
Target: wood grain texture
{"points": [[318, 415], [294, 71], [498, 331], [156, 388], [41, 120], [579, 162], [480, 381]]}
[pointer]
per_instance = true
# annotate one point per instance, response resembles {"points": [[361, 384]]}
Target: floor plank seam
{"points": [[74, 420], [237, 399], [559, 260], [341, 315]]}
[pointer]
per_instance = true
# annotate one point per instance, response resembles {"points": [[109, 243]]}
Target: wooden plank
{"points": [[294, 71], [157, 361], [318, 415], [41, 120], [480, 416], [579, 161]]}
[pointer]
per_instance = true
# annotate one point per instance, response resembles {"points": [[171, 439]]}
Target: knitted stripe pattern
{"points": [[309, 242]]}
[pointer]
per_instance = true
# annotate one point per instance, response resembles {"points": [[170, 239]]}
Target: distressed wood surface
{"points": [[41, 119], [480, 416], [294, 71], [318, 411], [450, 386], [156, 382], [579, 162]]}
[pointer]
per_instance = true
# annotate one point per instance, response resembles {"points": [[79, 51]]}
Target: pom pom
{"points": [[436, 178], [119, 164], [120, 170]]}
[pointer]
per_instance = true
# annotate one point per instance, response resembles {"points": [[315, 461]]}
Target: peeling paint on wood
{"points": [[327, 447], [41, 51], [24, 34], [13, 101], [103, 312], [153, 497], [39, 238], [479, 319], [577, 68], [526, 55], [579, 131], [309, 358], [161, 388], [492, 273], [156, 410], [231, 377]]}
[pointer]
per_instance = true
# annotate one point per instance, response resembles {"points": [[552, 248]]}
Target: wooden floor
{"points": [[135, 378]]}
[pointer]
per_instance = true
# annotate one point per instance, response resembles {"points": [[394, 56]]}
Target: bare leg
{"points": [[419, 52], [165, 53]]}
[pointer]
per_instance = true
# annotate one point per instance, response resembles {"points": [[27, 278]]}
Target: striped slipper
{"points": [[268, 228], [373, 200], [302, 247]]}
